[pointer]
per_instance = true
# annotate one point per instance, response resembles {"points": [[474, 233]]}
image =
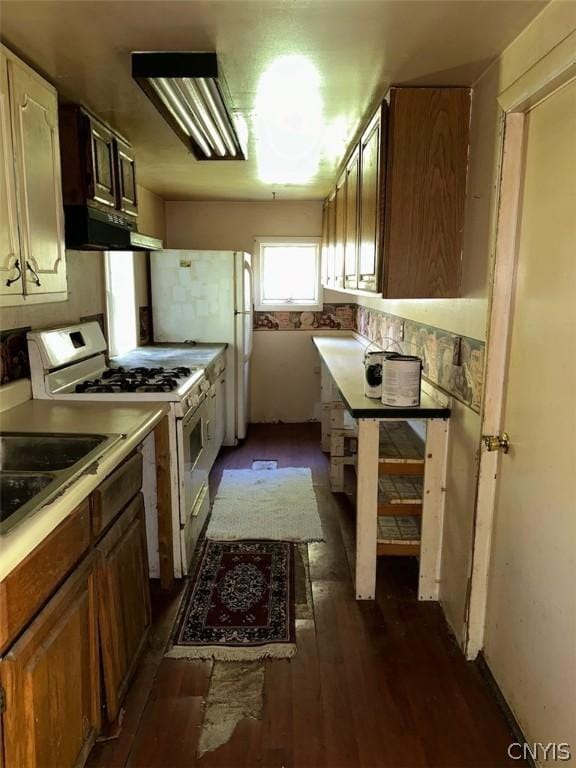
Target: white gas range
{"points": [[70, 364]]}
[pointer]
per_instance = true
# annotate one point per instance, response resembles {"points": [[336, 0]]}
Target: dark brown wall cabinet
{"points": [[98, 166], [402, 197]]}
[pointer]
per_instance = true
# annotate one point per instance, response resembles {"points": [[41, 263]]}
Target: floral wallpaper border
{"points": [[14, 360], [336, 317], [452, 362]]}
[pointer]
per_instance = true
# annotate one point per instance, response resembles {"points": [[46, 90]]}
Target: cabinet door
{"points": [[331, 255], [10, 264], [123, 601], [351, 238], [426, 191], [325, 245], [126, 176], [372, 176], [38, 184], [51, 678], [339, 231], [102, 177]]}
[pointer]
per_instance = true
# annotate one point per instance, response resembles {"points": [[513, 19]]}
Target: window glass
{"points": [[289, 274]]}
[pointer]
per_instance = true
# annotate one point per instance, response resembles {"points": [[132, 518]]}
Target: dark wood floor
{"points": [[373, 684]]}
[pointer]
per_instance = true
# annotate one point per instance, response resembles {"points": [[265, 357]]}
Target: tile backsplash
{"points": [[454, 363]]}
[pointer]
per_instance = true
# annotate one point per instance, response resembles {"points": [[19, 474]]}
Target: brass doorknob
{"points": [[497, 442]]}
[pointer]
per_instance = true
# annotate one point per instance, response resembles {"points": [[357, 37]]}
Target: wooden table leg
{"points": [[164, 493], [367, 508], [433, 509]]}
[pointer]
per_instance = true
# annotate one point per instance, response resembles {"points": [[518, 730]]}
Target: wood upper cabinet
{"points": [[123, 601], [325, 245], [427, 161], [371, 198], [98, 166], [10, 263], [339, 231], [351, 232], [400, 200], [126, 174], [51, 680], [35, 157], [328, 241], [102, 186]]}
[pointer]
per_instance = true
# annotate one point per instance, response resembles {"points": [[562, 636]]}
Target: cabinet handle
{"points": [[36, 278], [18, 276]]}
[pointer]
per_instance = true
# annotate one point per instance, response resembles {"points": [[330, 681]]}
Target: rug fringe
{"points": [[257, 653]]}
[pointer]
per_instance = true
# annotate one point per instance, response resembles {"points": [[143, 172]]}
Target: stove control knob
{"points": [[193, 401], [205, 386]]}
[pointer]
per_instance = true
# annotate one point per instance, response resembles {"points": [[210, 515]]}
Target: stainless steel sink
{"points": [[43, 453], [17, 489], [35, 467]]}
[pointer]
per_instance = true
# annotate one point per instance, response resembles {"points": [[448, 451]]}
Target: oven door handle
{"points": [[194, 412]]}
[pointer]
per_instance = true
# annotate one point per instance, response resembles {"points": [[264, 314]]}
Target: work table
{"points": [[132, 421], [344, 357], [343, 372]]}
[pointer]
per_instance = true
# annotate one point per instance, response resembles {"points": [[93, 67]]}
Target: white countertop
{"points": [[197, 355], [135, 421], [344, 358]]}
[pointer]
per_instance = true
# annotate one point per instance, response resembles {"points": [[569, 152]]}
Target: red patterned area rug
{"points": [[240, 603]]}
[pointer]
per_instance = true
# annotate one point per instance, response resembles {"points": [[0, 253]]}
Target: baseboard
{"points": [[486, 672]]}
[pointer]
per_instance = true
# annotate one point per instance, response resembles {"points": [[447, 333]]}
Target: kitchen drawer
{"points": [[115, 492], [25, 590]]}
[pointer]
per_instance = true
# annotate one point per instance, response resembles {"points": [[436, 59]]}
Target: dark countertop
{"points": [[343, 356], [197, 355]]}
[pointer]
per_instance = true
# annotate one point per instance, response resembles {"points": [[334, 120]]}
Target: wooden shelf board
{"points": [[400, 489], [399, 442]]}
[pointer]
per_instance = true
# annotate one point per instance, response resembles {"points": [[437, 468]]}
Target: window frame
{"points": [[286, 306]]}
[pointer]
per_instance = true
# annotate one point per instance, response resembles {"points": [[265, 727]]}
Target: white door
{"points": [[38, 182], [530, 630]]}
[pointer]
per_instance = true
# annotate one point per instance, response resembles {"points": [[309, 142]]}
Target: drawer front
{"points": [[115, 492], [28, 586]]}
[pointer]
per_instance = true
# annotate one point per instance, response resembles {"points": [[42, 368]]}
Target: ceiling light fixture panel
{"points": [[187, 90]]}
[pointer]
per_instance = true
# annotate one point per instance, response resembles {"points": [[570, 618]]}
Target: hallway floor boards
{"points": [[374, 684]]}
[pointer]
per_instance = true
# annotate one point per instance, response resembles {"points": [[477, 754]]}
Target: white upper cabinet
{"points": [[33, 161], [10, 265]]}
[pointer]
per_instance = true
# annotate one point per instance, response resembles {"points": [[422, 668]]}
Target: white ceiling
{"points": [[358, 47]]}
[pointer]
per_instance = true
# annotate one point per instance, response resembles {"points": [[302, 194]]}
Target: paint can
{"points": [[373, 372], [401, 377]]}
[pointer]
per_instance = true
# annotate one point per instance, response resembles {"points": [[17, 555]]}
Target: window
{"points": [[288, 273], [121, 302]]}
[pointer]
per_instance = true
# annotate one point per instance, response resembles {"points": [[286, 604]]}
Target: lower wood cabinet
{"points": [[51, 680], [123, 601], [74, 617]]}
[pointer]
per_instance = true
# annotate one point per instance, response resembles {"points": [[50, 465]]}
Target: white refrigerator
{"points": [[206, 296]]}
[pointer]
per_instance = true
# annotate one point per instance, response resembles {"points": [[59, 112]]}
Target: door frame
{"points": [[548, 75]]}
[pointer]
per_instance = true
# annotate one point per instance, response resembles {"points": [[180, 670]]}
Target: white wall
{"points": [[284, 385]]}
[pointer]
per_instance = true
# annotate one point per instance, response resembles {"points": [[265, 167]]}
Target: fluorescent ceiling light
{"points": [[187, 91]]}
